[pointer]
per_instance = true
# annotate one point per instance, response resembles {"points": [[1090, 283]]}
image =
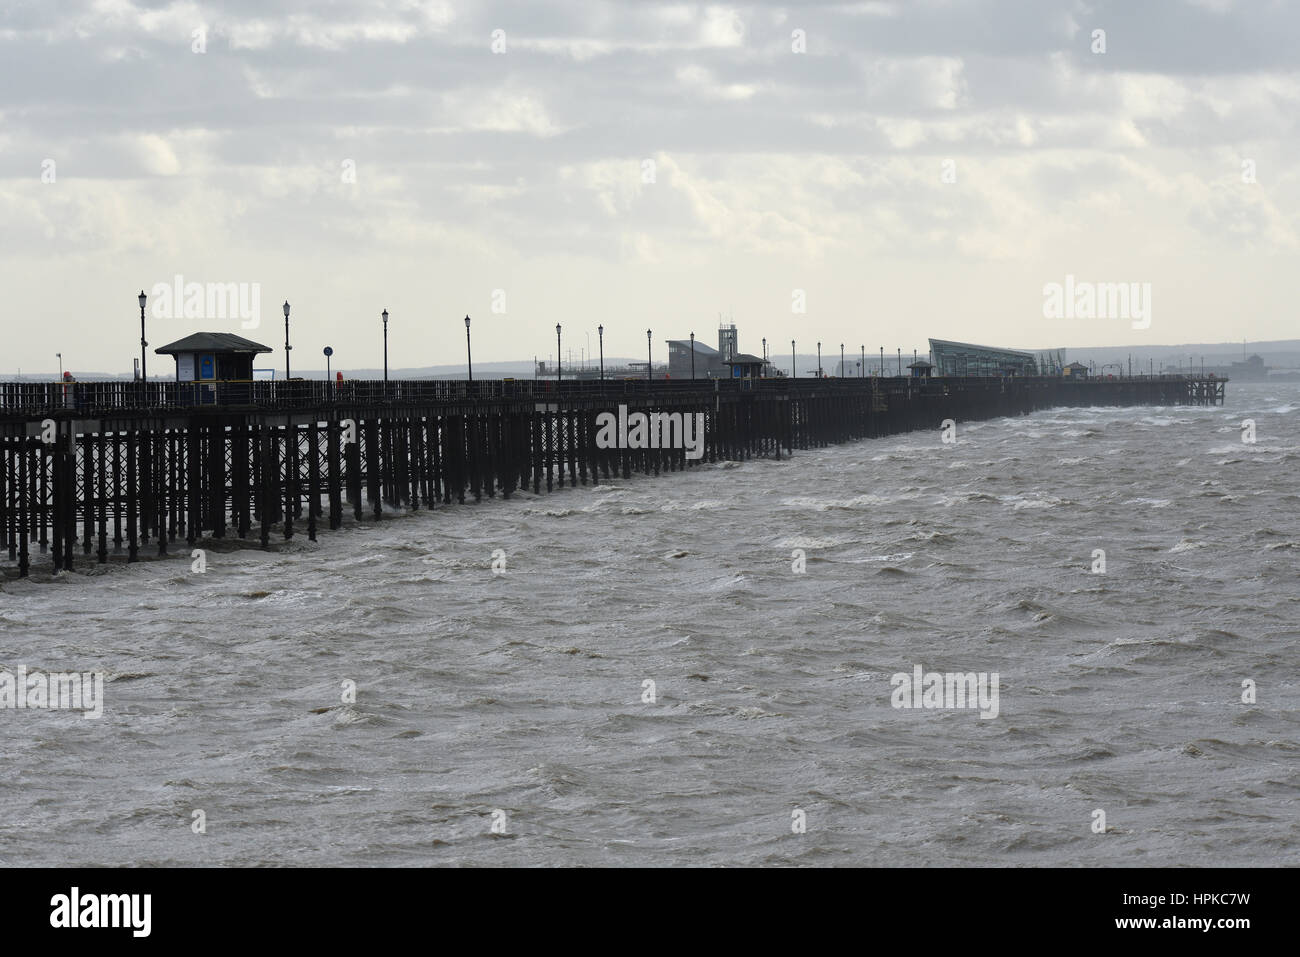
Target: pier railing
{"points": [[106, 397]]}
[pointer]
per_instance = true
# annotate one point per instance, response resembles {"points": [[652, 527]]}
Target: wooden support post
{"points": [[117, 492], [374, 467], [87, 490], [216, 479], [475, 440], [537, 451], [334, 470], [24, 491], [437, 429], [559, 423], [290, 507], [551, 426], [266, 487], [194, 481], [58, 491], [163, 491], [313, 478], [6, 486], [352, 453], [132, 495]]}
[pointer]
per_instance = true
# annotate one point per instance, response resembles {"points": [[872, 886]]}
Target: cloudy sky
{"points": [[902, 169]]}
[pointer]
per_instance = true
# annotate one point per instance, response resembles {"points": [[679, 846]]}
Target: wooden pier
{"points": [[91, 470]]}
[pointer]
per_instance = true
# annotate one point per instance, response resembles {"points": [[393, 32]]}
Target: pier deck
{"points": [[99, 468]]}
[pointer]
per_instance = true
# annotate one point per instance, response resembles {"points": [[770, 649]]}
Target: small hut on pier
{"points": [[213, 356], [745, 366]]}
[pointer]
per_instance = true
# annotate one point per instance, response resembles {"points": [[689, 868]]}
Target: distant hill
{"points": [[487, 370], [1281, 355]]}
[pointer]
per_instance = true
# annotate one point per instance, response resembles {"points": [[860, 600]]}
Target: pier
{"points": [[90, 470]]}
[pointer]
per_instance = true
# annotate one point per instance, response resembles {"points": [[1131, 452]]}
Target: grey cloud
{"points": [[168, 158]]}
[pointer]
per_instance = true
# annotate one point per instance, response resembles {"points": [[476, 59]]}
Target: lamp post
{"points": [[144, 375], [900, 362], [764, 355], [287, 347], [600, 336], [557, 352], [793, 372], [882, 360], [469, 355], [59, 355], [692, 357], [863, 366], [842, 359], [328, 351], [384, 314], [819, 360], [648, 374]]}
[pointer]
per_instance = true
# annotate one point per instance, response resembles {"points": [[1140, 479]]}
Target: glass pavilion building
{"points": [[965, 358]]}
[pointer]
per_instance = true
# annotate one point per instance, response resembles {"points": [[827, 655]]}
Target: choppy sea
{"points": [[520, 699]]}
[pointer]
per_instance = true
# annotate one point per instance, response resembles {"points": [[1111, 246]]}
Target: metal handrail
{"points": [[109, 396]]}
